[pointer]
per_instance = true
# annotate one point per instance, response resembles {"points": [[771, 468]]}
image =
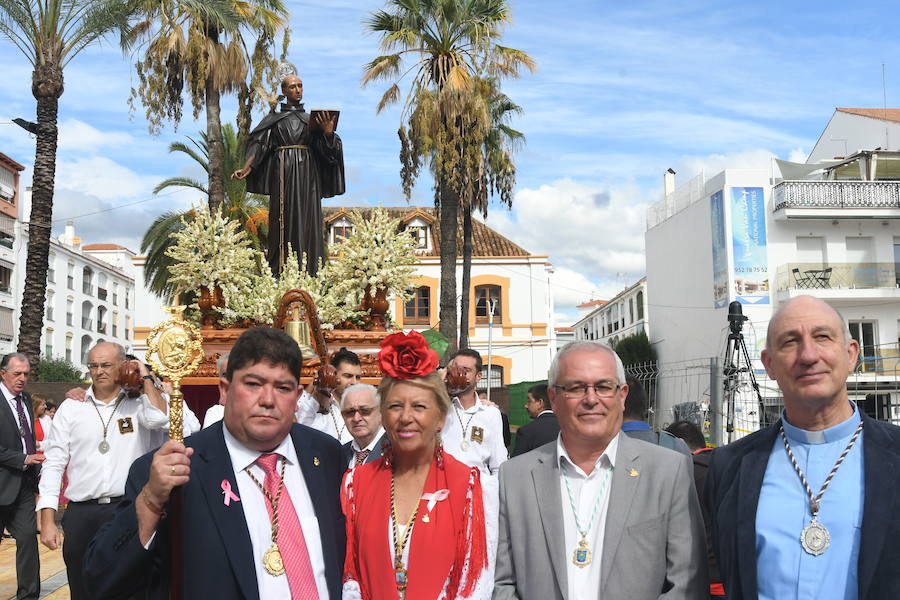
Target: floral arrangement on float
{"points": [[235, 287]]}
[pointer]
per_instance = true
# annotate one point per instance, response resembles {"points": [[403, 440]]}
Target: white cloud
{"points": [[711, 165], [588, 229], [78, 135], [103, 178]]}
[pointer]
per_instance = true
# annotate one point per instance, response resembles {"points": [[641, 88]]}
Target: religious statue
{"points": [[296, 160]]}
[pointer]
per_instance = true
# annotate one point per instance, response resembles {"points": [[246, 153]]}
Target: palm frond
{"points": [[181, 182]]}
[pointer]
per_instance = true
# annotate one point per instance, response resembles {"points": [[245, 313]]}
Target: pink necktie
{"points": [[291, 542]]}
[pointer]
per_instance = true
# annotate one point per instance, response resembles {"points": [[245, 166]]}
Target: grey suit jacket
{"points": [[654, 545]]}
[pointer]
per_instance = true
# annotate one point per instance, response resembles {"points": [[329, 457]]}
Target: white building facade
{"points": [[757, 238], [623, 316], [89, 298], [10, 242], [518, 338]]}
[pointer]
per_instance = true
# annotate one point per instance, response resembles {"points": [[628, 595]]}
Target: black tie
{"points": [[25, 427]]}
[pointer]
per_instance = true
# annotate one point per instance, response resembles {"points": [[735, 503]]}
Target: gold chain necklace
{"points": [[400, 574], [272, 560]]}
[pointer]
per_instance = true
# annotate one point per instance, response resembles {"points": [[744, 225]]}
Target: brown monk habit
{"points": [[296, 168]]}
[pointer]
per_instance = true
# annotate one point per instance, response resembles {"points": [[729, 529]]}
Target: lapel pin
{"points": [[632, 472], [316, 461], [229, 495], [425, 519]]}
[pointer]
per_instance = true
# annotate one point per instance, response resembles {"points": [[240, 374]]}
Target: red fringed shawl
{"points": [[449, 549]]}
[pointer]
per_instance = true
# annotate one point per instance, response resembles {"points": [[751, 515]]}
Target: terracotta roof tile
{"points": [[485, 241], [103, 247], [885, 114]]}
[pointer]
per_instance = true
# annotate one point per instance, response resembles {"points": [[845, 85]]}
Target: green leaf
{"points": [[437, 341]]}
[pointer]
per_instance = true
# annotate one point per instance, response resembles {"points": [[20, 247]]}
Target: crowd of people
{"points": [[405, 491]]}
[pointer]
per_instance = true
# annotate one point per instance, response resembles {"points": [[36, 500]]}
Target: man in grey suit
{"points": [[614, 517]]}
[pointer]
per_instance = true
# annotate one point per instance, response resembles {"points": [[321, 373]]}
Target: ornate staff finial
{"points": [[178, 348]]}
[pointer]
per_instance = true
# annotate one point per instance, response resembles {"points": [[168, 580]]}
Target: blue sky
{"points": [[622, 92]]}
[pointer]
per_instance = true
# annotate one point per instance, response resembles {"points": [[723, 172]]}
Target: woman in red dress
{"points": [[415, 518]]}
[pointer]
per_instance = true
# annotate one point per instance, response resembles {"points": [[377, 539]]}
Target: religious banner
{"points": [[719, 250], [748, 239]]}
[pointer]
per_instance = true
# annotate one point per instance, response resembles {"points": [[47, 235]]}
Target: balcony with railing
{"points": [[101, 293], [837, 199], [834, 280]]}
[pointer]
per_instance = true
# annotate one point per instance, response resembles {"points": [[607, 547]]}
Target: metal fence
{"points": [[694, 390]]}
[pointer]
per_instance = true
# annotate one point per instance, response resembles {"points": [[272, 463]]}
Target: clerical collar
{"points": [[289, 107], [824, 436]]}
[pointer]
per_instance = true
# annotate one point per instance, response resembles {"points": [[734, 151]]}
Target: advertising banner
{"points": [[719, 250], [748, 233]]}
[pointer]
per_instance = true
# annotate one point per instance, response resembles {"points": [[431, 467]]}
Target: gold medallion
{"points": [[272, 561], [582, 556]]}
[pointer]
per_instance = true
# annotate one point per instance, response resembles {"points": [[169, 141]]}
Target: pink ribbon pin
{"points": [[229, 495], [435, 498]]}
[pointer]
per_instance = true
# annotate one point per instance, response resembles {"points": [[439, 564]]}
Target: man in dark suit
{"points": [[810, 506], [359, 408], [19, 469], [545, 426], [235, 478]]}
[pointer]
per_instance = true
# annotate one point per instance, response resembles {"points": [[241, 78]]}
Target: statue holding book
{"points": [[295, 158]]}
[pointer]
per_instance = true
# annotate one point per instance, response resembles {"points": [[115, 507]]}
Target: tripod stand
{"points": [[737, 361]]}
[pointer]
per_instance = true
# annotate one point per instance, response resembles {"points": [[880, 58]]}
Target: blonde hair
{"points": [[433, 382]]}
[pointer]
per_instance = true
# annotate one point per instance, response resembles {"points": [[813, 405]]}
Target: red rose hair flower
{"points": [[406, 356]]}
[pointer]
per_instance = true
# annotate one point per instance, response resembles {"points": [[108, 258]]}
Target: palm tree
{"points": [[449, 42], [495, 175], [49, 33], [251, 210], [201, 43]]}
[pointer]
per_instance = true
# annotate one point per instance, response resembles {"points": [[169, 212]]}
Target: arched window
{"points": [[49, 306], [487, 297], [86, 321], [87, 281], [631, 310], [417, 310], [85, 348], [69, 347], [640, 305], [101, 319], [494, 378], [101, 286]]}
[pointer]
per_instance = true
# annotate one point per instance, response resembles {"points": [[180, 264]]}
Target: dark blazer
{"points": [[347, 450], [12, 460], [542, 430], [733, 484], [218, 558]]}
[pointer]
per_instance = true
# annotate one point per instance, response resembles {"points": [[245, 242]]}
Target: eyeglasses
{"points": [[364, 411], [603, 389], [101, 366]]}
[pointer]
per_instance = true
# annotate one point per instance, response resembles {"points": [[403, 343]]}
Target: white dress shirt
{"points": [[487, 455], [11, 400], [257, 515], [354, 447], [74, 440], [214, 414], [587, 490], [331, 422]]}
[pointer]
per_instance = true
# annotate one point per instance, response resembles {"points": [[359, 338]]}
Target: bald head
{"points": [[804, 305]]}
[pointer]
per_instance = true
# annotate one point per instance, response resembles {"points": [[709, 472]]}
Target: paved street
{"points": [[53, 573]]}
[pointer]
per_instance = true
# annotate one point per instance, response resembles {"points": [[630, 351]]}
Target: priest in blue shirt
{"points": [[808, 509]]}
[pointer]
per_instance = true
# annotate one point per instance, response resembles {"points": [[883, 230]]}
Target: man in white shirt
{"points": [[260, 497], [322, 410], [215, 412], [19, 470], [473, 434], [359, 407], [95, 442], [613, 516]]}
